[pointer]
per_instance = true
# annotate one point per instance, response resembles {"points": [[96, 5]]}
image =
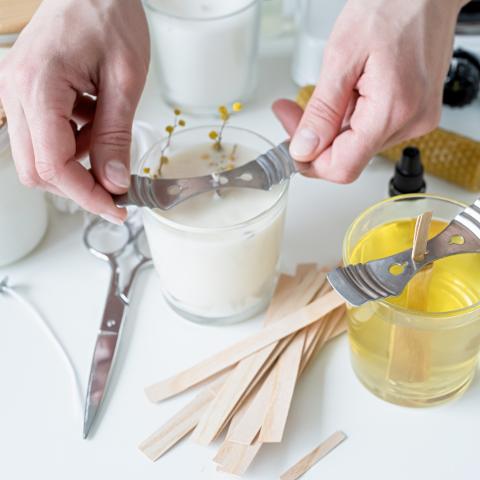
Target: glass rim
{"points": [[157, 9], [211, 230], [410, 196]]}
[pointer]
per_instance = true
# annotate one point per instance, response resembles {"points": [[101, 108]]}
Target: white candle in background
{"points": [[205, 50], [23, 211], [217, 256]]}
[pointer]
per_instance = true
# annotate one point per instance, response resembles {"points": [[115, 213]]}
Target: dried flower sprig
{"points": [[170, 129], [225, 115]]}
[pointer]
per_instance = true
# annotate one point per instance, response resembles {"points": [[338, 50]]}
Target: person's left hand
{"points": [[70, 49]]}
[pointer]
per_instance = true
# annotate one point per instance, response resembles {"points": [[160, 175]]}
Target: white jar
{"points": [[23, 211], [216, 254], [205, 50]]}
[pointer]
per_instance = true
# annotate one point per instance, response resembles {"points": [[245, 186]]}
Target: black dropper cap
{"points": [[408, 177]]}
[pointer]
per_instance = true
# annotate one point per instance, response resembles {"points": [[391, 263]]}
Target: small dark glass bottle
{"points": [[408, 176]]}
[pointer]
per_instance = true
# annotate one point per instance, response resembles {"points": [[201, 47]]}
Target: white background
{"points": [[40, 430]]}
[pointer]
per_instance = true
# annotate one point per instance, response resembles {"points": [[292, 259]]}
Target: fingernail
{"points": [[111, 219], [117, 173], [304, 143]]}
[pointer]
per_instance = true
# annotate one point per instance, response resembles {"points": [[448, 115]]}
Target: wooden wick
{"points": [[409, 348], [420, 236], [224, 359], [254, 390], [313, 457]]}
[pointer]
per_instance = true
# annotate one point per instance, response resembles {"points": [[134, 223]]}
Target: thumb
{"points": [[111, 136], [324, 113]]}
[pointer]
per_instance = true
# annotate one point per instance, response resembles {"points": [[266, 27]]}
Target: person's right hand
{"points": [[69, 49], [381, 82]]}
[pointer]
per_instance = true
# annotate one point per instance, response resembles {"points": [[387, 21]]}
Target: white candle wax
{"points": [[217, 255], [205, 50]]}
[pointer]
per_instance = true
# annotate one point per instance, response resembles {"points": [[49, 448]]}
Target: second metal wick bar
{"points": [[388, 276]]}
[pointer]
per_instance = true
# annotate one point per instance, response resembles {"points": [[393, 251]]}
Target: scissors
{"points": [[111, 243]]}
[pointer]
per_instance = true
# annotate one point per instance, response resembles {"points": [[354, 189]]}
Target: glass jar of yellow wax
{"points": [[422, 347], [217, 253]]}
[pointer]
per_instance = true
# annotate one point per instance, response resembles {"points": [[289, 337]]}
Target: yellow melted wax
{"points": [[413, 359]]}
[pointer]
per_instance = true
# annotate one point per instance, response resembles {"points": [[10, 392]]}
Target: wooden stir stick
{"points": [[224, 359], [185, 420], [244, 431], [409, 347], [247, 369], [291, 293], [314, 456]]}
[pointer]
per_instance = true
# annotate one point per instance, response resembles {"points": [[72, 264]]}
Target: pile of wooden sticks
{"points": [[251, 383]]}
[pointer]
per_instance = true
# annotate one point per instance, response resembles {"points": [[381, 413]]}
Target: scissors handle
{"points": [[125, 295]]}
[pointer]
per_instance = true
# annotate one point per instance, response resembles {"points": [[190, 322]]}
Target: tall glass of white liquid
{"points": [[205, 51]]}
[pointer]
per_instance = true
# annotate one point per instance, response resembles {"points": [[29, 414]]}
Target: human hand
{"points": [[381, 82], [69, 49]]}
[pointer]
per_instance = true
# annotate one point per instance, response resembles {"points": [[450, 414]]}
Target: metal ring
{"points": [[100, 254]]}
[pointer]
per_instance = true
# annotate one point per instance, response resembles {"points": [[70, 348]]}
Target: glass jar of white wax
{"points": [[23, 211], [216, 253], [205, 51]]}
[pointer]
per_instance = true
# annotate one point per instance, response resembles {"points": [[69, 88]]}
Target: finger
{"points": [[344, 160], [349, 111], [289, 113], [48, 110], [326, 109], [21, 146], [112, 129]]}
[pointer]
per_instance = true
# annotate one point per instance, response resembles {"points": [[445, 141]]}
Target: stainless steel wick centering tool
{"points": [[267, 170], [388, 276]]}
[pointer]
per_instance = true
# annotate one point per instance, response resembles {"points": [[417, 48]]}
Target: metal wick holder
{"points": [[387, 277], [267, 170]]}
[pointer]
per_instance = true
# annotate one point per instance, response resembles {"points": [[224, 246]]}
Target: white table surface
{"points": [[40, 430]]}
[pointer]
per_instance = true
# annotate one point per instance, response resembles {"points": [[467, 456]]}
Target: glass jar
{"points": [[278, 18], [205, 51], [420, 348], [23, 211], [216, 254]]}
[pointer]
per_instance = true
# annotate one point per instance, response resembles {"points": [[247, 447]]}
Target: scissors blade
{"points": [[104, 353], [103, 358]]}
